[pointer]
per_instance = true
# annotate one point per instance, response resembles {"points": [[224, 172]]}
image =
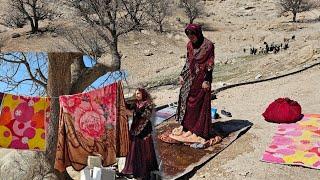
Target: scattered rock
{"points": [[228, 61], [31, 36], [250, 7], [148, 53], [183, 56], [170, 52], [54, 35], [244, 173], [259, 76], [15, 35], [157, 71], [316, 51], [221, 84]]}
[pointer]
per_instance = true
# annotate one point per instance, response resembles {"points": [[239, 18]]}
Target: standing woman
{"points": [[194, 107], [141, 159]]}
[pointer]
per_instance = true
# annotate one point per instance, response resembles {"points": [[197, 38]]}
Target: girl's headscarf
{"points": [[196, 30]]}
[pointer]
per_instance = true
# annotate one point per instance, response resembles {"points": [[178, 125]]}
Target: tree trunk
{"points": [[35, 17], [191, 20], [161, 27], [33, 28], [294, 17], [116, 58], [59, 83], [36, 25]]}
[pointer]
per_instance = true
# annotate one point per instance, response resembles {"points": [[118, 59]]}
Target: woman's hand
{"points": [[206, 85], [181, 81], [145, 138]]}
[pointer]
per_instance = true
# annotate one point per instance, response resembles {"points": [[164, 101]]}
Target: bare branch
{"points": [[11, 75], [193, 9], [158, 10], [296, 6]]}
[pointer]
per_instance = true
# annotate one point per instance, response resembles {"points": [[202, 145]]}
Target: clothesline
{"points": [[55, 97]]}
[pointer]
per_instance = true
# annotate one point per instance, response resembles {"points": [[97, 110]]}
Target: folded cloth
{"points": [[189, 139]]}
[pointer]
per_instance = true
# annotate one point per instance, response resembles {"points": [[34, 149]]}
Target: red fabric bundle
{"points": [[283, 110]]}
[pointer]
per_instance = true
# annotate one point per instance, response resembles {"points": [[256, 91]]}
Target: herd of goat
{"points": [[270, 48]]}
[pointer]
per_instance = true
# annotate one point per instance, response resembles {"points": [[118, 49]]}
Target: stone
{"points": [[15, 35], [244, 173], [259, 76], [24, 166], [54, 35], [148, 53], [136, 43], [170, 52], [221, 84], [183, 56]]}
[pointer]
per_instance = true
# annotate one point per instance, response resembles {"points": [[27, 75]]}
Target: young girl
{"points": [[141, 159]]}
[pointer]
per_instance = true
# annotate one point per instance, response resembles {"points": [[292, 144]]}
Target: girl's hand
{"points": [[206, 85], [181, 81]]}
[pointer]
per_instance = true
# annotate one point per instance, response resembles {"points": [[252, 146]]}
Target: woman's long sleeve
{"points": [[210, 65]]}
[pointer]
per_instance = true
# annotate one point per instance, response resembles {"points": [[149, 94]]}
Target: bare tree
{"points": [[158, 10], [192, 8], [108, 20], [296, 6], [31, 11]]}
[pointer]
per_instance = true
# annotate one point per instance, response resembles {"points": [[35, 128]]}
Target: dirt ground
{"points": [[241, 159]]}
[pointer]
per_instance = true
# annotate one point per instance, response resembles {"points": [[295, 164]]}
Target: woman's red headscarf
{"points": [[196, 29]]}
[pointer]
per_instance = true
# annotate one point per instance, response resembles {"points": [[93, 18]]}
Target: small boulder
{"points": [[148, 53], [259, 76], [15, 35]]}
